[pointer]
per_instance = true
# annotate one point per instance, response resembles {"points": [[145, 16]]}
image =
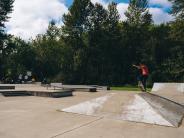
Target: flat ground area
{"points": [[39, 117]]}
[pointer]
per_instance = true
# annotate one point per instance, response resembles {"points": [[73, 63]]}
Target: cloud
{"points": [[159, 16], [163, 3], [31, 17], [122, 8], [102, 2]]}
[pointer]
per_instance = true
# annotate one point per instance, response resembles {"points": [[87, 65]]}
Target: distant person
{"points": [[44, 81], [33, 79], [26, 78], [142, 78], [20, 78]]}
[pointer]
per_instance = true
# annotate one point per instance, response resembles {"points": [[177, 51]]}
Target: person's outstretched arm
{"points": [[138, 67]]}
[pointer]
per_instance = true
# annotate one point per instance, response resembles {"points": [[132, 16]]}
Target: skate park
{"points": [[105, 113], [92, 69]]}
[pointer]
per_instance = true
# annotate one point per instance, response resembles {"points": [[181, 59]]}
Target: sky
{"points": [[31, 17]]}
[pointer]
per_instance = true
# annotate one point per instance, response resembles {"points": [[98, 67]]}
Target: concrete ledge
{"points": [[56, 94], [4, 87], [62, 93], [101, 87], [84, 88], [15, 93]]}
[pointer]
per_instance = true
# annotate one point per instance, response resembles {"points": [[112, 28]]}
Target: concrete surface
{"points": [[143, 107], [37, 117], [172, 91]]}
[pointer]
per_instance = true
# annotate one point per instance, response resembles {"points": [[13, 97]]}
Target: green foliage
{"points": [[77, 22], [48, 50], [5, 8], [19, 59], [175, 63], [138, 13], [178, 8]]}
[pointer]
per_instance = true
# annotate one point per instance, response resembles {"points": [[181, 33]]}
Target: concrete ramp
{"points": [[91, 107], [168, 87], [172, 91], [143, 107], [169, 110]]}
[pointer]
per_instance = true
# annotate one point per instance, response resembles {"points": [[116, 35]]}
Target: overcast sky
{"points": [[31, 17]]}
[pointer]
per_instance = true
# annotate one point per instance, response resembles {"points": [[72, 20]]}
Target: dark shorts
{"points": [[143, 80]]}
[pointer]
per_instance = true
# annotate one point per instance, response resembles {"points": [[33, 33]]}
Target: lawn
{"points": [[128, 88]]}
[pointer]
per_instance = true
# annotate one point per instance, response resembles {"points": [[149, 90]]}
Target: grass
{"points": [[128, 88]]}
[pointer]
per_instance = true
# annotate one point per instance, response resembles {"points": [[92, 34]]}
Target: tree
{"points": [[177, 37], [113, 48], [96, 44], [48, 50], [5, 8], [77, 19], [175, 63], [178, 8], [20, 59], [177, 30], [53, 32], [76, 25], [113, 15], [136, 35], [138, 13], [136, 28]]}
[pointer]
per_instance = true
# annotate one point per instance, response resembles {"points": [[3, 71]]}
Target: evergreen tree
{"points": [[113, 50], [178, 8], [53, 32], [76, 21], [48, 48], [138, 13], [76, 25], [5, 8], [113, 15], [96, 43], [136, 29], [136, 34], [20, 59], [177, 36]]}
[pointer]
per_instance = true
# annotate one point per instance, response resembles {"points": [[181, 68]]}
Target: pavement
{"points": [[40, 117]]}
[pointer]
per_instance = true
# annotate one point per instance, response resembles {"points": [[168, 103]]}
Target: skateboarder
{"points": [[142, 78]]}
